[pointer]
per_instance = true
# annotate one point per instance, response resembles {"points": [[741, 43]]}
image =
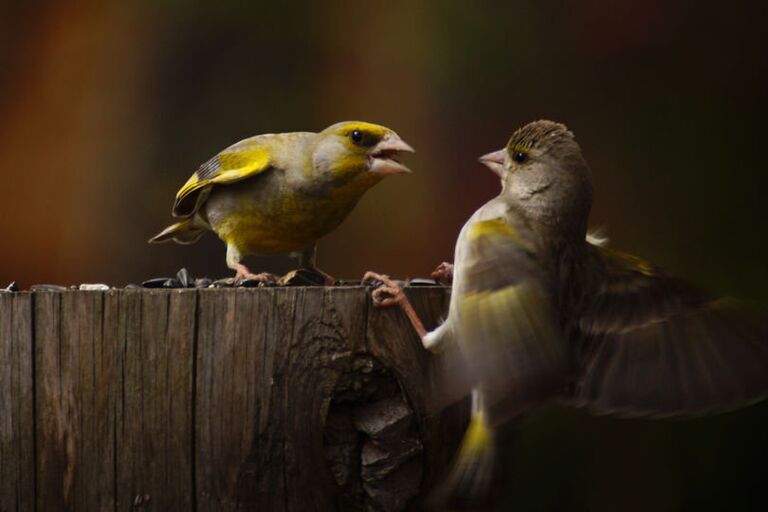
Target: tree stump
{"points": [[267, 399]]}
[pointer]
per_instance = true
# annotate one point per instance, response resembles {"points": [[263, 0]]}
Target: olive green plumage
{"points": [[280, 193], [538, 312]]}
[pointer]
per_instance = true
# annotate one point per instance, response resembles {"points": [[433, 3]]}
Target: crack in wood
{"points": [[294, 399]]}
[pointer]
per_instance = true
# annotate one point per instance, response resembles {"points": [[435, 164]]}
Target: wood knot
{"points": [[371, 439]]}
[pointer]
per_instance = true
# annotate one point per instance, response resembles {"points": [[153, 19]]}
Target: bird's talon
{"points": [[389, 302], [263, 278], [443, 274], [387, 292], [371, 278]]}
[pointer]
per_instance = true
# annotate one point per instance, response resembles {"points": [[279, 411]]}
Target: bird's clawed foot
{"points": [[244, 274], [443, 274], [388, 294]]}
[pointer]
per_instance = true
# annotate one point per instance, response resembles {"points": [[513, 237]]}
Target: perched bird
{"points": [[279, 193], [538, 312]]}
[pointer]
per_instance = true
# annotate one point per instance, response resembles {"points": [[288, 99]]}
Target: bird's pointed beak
{"points": [[495, 161], [382, 159]]}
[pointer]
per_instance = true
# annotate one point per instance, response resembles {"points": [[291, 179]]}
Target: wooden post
{"points": [[271, 399]]}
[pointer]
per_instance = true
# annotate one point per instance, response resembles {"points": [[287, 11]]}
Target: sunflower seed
{"points": [[93, 287]]}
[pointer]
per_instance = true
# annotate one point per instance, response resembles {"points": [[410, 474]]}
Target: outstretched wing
{"points": [[654, 346], [506, 328], [245, 159]]}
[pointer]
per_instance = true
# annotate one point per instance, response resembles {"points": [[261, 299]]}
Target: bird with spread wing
{"points": [[539, 311]]}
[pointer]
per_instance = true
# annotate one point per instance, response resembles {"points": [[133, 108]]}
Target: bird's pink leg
{"points": [[241, 271], [329, 279], [391, 294], [308, 260]]}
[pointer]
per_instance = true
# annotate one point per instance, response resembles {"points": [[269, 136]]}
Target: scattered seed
{"points": [[93, 287], [202, 282], [248, 283], [227, 282], [155, 282], [47, 288], [347, 282], [173, 283], [302, 277], [13, 287], [185, 278]]}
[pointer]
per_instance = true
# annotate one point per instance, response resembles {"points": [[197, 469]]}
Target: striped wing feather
{"points": [[655, 346]]}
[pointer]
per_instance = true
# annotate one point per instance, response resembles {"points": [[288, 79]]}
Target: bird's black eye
{"points": [[356, 136], [520, 157]]}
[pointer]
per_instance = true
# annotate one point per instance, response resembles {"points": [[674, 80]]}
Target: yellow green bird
{"points": [[280, 193]]}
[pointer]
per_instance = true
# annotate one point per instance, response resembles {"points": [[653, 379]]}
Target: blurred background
{"points": [[108, 107]]}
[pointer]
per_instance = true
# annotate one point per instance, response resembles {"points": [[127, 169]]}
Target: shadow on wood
{"points": [[251, 399]]}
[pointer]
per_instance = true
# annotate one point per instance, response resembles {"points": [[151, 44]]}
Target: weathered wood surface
{"points": [[17, 419], [292, 399]]}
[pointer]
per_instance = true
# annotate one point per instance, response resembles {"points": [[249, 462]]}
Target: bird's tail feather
{"points": [[598, 236], [184, 232], [469, 483]]}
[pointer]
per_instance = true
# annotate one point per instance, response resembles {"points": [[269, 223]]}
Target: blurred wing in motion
{"points": [[506, 330], [242, 160], [654, 346]]}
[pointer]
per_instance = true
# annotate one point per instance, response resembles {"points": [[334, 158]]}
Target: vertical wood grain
{"points": [[76, 374], [197, 399], [231, 356], [267, 365], [17, 466], [154, 421]]}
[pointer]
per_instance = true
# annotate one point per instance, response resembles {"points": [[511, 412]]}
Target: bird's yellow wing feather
{"points": [[507, 333], [233, 164]]}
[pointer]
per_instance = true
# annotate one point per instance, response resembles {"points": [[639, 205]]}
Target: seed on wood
{"points": [[248, 283], [93, 287], [47, 288], [347, 282], [302, 277], [185, 278], [155, 282], [13, 287], [227, 282]]}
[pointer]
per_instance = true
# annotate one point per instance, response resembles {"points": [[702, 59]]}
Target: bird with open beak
{"points": [[280, 193]]}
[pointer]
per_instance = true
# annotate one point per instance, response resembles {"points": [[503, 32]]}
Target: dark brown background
{"points": [[107, 107]]}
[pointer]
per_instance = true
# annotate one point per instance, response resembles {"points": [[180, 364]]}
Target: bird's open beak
{"points": [[382, 159], [495, 161]]}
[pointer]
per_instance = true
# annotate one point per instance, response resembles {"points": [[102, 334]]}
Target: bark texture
{"points": [[279, 399]]}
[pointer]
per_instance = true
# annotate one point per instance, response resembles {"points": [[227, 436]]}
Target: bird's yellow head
{"points": [[355, 149]]}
